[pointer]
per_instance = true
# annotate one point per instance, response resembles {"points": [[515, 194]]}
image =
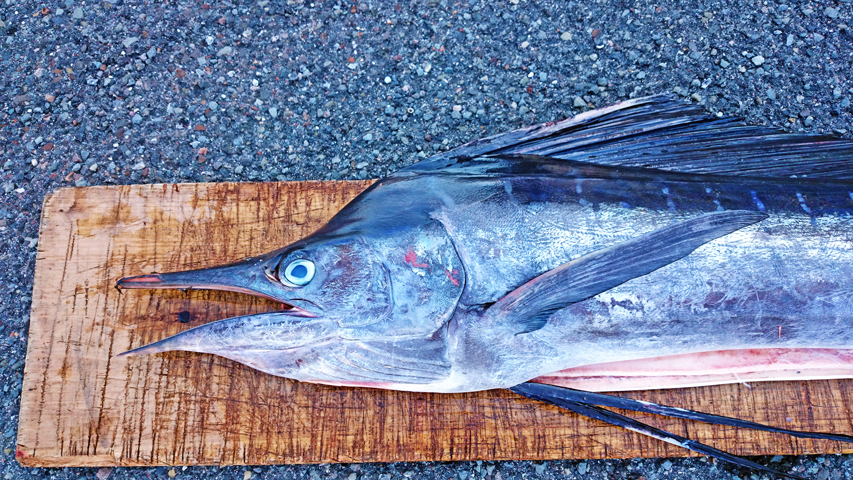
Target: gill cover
{"points": [[426, 278]]}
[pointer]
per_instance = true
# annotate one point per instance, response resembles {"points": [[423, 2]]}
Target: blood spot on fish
{"points": [[713, 299], [450, 276], [184, 317], [412, 259]]}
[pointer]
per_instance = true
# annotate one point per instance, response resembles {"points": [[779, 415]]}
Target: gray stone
{"points": [[579, 103], [758, 60], [831, 12], [77, 14]]}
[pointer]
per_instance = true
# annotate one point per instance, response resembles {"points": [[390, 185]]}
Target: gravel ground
{"points": [[129, 91]]}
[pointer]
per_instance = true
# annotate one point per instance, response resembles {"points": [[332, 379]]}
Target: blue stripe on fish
{"points": [[803, 203], [758, 204]]}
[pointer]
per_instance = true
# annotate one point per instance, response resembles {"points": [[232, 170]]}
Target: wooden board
{"points": [[82, 406]]}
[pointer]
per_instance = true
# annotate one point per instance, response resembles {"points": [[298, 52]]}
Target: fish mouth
{"points": [[246, 277], [295, 323]]}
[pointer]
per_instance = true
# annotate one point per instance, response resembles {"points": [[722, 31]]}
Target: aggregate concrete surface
{"points": [[132, 91]]}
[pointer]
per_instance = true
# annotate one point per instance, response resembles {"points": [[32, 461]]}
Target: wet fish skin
{"points": [[549, 247], [412, 291]]}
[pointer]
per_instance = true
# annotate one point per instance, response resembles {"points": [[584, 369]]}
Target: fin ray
{"points": [[663, 132]]}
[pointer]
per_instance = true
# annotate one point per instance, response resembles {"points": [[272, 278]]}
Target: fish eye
{"points": [[299, 272]]}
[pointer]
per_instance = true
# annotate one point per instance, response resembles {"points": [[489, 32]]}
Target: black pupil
{"points": [[299, 271]]}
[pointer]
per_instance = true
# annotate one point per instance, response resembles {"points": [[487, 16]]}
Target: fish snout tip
{"points": [[140, 351]]}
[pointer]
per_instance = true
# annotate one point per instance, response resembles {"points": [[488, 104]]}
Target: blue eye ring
{"points": [[299, 272]]}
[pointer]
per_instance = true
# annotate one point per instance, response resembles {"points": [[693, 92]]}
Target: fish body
{"points": [[628, 238], [526, 254]]}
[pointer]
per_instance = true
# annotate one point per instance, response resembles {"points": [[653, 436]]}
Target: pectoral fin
{"points": [[530, 305]]}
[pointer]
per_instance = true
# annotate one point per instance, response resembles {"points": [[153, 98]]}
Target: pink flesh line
{"points": [[707, 368]]}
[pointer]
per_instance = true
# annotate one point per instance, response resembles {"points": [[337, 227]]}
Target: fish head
{"points": [[386, 284], [365, 310]]}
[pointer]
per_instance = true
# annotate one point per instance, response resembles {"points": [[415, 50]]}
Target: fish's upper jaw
{"points": [[246, 276], [295, 307]]}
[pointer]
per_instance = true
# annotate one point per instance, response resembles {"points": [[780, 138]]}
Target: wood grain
{"points": [[82, 406]]}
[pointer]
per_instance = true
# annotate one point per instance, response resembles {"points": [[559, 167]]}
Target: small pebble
{"points": [[758, 60]]}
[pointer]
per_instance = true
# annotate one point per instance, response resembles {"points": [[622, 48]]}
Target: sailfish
{"points": [[645, 236]]}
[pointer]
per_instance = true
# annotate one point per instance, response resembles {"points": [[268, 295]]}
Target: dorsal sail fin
{"points": [[663, 132]]}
